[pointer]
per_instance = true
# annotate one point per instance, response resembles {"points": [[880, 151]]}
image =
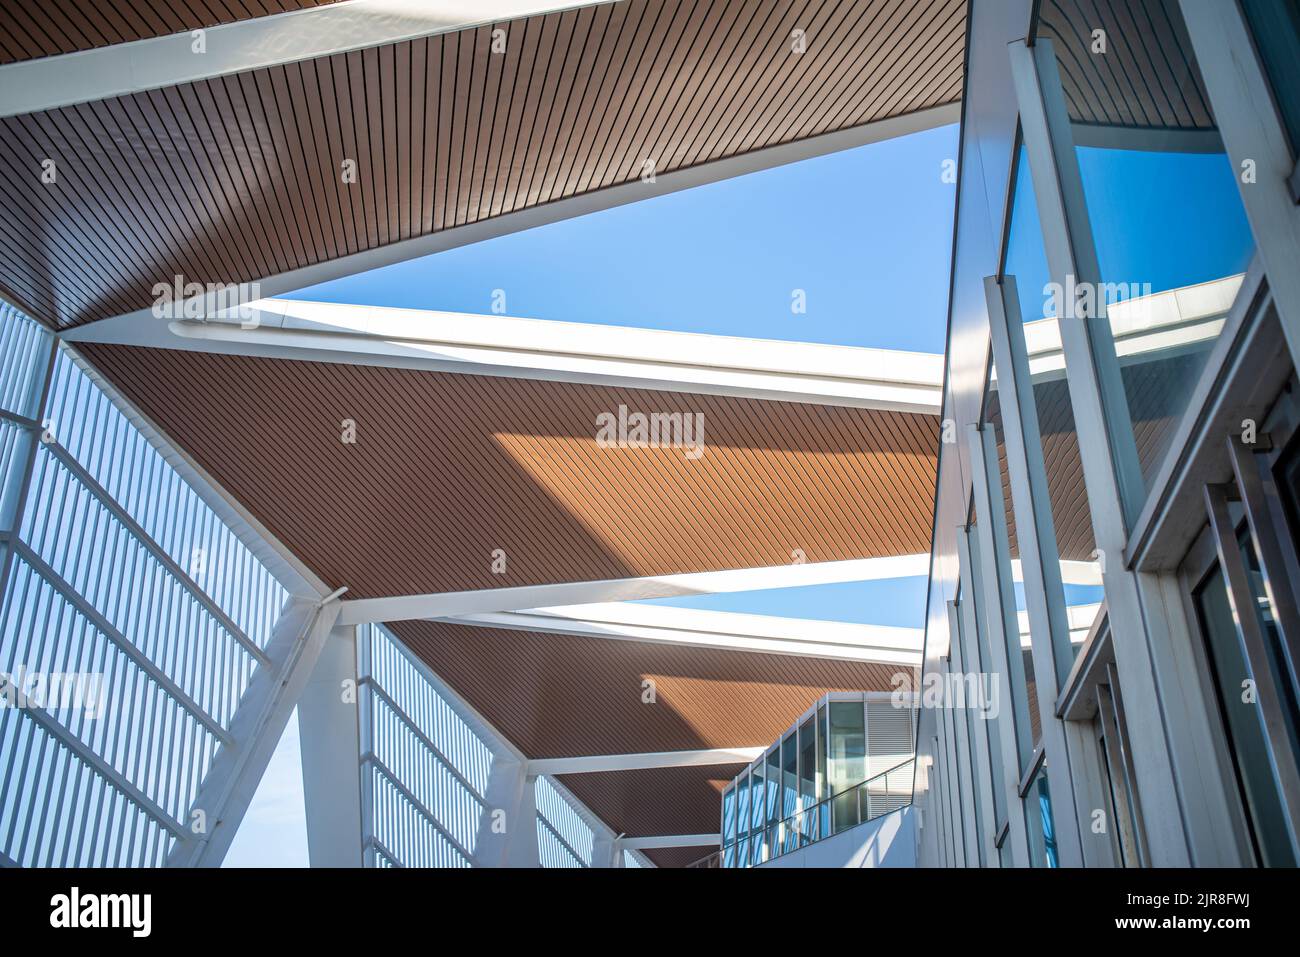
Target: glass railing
{"points": [[875, 797]]}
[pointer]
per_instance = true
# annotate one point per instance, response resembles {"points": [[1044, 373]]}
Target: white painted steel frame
{"points": [[1106, 444], [249, 44]]}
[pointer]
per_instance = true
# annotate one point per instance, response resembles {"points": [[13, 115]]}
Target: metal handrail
{"points": [[814, 823]]}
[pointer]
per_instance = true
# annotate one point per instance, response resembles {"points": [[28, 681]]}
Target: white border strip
{"points": [[123, 68]]}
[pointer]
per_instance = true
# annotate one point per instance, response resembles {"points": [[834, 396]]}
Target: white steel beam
{"points": [[329, 735], [255, 729], [251, 44], [481, 601], [565, 351], [595, 763], [693, 628]]}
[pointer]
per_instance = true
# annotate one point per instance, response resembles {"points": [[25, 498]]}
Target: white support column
{"points": [[507, 832], [1106, 446], [1253, 137], [957, 706], [607, 851], [256, 728], [331, 771], [982, 767], [1049, 624], [991, 574]]}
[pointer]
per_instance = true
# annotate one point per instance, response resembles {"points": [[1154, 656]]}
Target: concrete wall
{"points": [[887, 841]]}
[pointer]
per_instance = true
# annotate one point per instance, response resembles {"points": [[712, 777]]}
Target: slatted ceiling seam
{"points": [[554, 28], [502, 105], [379, 62], [234, 148], [945, 85], [666, 71], [471, 50], [561, 29], [72, 33], [89, 187], [1153, 107], [320, 77], [395, 67], [252, 118], [38, 37], [805, 78], [882, 521], [637, 527], [475, 45], [770, 54], [352, 107], [600, 26], [307, 126], [555, 156], [429, 151], [417, 52], [521, 46], [541, 546], [1081, 104], [301, 209], [624, 43], [892, 46], [1139, 89], [619, 96], [524, 507], [566, 118], [209, 175], [711, 65], [787, 509], [487, 106], [76, 200], [1104, 72], [1170, 37], [544, 40], [22, 239], [797, 77], [448, 53], [707, 112], [780, 419], [796, 104], [625, 538], [771, 39], [133, 200], [923, 87]]}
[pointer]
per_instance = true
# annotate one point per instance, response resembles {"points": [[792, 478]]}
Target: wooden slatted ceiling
{"points": [[32, 30], [677, 856], [1146, 78], [562, 695], [659, 801], [447, 468], [239, 178]]}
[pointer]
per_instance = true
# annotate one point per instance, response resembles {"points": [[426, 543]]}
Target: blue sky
{"points": [[866, 234]]}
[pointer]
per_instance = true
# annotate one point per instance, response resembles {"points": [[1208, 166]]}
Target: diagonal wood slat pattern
{"points": [[562, 695], [32, 30], [447, 468], [238, 178]]}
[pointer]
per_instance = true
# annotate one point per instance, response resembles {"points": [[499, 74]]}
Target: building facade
{"points": [[1116, 518]]}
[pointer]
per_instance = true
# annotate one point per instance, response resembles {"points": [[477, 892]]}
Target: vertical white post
{"points": [[1106, 446], [331, 750], [1256, 145], [507, 832]]}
